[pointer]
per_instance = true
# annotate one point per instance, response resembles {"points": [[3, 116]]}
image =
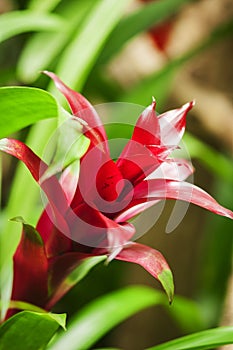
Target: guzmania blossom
{"points": [[88, 214]]}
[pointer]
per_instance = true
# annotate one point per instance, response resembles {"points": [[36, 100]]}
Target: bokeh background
{"points": [[177, 52]]}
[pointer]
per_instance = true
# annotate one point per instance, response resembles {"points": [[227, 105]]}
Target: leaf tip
{"points": [[166, 279]]}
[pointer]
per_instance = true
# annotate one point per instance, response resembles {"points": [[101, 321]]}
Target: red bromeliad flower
{"points": [[88, 216]]}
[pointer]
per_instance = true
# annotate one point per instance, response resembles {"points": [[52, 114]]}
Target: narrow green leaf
{"points": [[22, 305], [23, 106], [17, 22], [187, 314], [104, 16], [82, 270], [103, 314], [29, 330], [208, 339], [32, 59], [139, 21], [43, 5]]}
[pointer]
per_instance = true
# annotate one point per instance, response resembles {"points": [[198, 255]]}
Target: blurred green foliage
{"points": [[77, 39]]}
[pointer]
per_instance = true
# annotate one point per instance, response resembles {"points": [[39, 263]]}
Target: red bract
{"points": [[90, 218]]}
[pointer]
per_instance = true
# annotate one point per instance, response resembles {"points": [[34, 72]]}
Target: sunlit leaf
{"points": [[17, 22], [103, 314], [43, 5], [104, 16], [32, 59], [23, 106]]}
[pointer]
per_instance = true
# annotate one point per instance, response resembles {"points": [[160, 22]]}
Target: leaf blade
{"points": [[29, 330], [207, 339], [18, 22], [103, 314], [23, 106]]}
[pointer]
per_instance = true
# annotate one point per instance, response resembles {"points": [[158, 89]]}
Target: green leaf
{"points": [[208, 339], [17, 22], [139, 21], [103, 314], [82, 270], [32, 59], [43, 5], [30, 330], [187, 314], [166, 279], [104, 15], [23, 106]]}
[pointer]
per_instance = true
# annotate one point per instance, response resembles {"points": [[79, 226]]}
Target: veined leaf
{"points": [[29, 330], [17, 22]]}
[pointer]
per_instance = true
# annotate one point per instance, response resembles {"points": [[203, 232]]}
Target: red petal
{"points": [[82, 108], [147, 129], [135, 156], [50, 186], [93, 229], [55, 241], [138, 163], [160, 189], [30, 268], [151, 260], [108, 180], [172, 124]]}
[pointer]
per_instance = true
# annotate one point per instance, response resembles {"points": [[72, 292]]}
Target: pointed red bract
{"points": [[82, 108], [161, 189], [30, 268], [87, 213], [151, 260], [172, 124]]}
